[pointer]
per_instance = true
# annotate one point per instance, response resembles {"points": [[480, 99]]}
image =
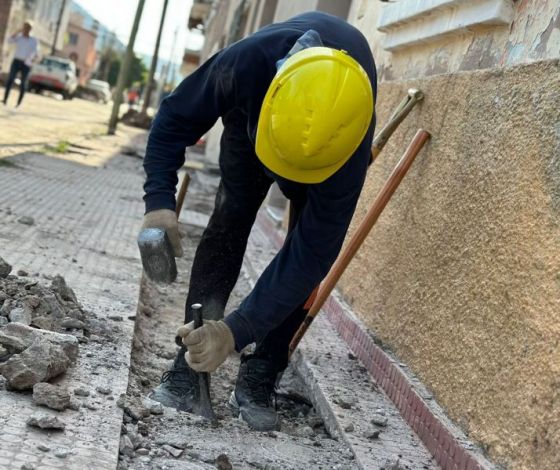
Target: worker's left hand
{"points": [[208, 346]]}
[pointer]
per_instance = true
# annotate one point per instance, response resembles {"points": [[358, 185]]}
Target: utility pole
{"points": [[123, 73], [150, 84], [57, 30], [165, 69]]}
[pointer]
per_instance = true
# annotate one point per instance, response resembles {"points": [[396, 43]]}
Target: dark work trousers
{"points": [[18, 66], [219, 256]]}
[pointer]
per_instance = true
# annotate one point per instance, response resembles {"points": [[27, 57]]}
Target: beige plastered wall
{"points": [[460, 277]]}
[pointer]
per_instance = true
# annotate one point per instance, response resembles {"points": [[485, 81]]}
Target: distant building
{"points": [[191, 60], [44, 14], [80, 47], [105, 37]]}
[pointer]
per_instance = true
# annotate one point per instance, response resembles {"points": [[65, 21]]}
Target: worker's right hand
{"points": [[165, 219]]}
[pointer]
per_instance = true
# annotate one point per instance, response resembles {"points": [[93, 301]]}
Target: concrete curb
{"points": [[352, 405], [446, 442]]}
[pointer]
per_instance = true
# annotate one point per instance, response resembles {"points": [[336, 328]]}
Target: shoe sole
{"points": [[236, 409]]}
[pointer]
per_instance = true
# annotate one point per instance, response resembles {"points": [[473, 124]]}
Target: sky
{"points": [[118, 15]]}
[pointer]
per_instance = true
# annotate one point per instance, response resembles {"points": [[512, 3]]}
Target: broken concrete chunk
{"points": [[39, 355], [26, 220], [44, 322], [394, 464], [103, 390], [345, 402], [6, 308], [152, 406], [126, 447], [45, 421], [20, 315], [223, 463], [27, 336], [61, 452], [32, 300], [172, 450], [40, 362], [372, 433], [51, 396], [61, 288], [5, 268], [379, 420], [132, 407], [69, 323], [81, 392], [22, 273], [349, 428]]}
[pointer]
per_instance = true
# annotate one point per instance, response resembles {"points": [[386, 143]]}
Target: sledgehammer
{"points": [[156, 251]]}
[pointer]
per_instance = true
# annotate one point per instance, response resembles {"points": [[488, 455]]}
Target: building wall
{"points": [[461, 275], [286, 10], [43, 13], [84, 49], [533, 34]]}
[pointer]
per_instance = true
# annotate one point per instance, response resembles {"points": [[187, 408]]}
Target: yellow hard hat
{"points": [[314, 116]]}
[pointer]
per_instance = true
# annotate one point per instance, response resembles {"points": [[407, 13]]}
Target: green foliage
{"points": [[138, 72], [61, 147]]}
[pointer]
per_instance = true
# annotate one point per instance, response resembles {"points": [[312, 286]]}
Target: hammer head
{"points": [[157, 255]]}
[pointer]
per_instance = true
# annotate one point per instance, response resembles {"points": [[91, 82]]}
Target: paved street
{"points": [[48, 120]]}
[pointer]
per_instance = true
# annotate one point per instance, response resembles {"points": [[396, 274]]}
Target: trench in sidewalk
{"points": [[302, 442]]}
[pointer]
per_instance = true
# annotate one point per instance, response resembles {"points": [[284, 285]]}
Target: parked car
{"points": [[97, 90], [54, 74]]}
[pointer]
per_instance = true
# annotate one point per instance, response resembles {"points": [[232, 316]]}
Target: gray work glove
{"points": [[165, 219], [208, 346]]}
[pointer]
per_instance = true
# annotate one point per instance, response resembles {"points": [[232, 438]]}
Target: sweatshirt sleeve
{"points": [[307, 254], [183, 117]]}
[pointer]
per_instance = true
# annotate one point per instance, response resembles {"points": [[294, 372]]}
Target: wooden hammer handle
{"points": [[362, 232]]}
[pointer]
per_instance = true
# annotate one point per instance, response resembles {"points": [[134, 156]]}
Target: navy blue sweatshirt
{"points": [[235, 81]]}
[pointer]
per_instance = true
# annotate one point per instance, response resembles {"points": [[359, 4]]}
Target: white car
{"points": [[54, 74], [97, 89]]}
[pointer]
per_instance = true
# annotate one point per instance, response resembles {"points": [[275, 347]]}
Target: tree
{"points": [[138, 72]]}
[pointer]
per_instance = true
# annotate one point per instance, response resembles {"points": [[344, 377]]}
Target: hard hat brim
{"points": [[268, 157]]}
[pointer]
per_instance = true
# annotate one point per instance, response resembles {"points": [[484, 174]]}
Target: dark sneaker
{"points": [[253, 397], [178, 387]]}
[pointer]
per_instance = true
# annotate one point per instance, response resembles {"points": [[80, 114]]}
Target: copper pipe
{"points": [[361, 233]]}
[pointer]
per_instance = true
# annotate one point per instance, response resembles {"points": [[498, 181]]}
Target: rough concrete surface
{"points": [[355, 407], [86, 213], [460, 276]]}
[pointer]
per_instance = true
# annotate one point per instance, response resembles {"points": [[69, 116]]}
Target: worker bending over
{"points": [[297, 103]]}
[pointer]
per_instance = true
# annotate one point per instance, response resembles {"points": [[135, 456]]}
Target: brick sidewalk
{"points": [[86, 222]]}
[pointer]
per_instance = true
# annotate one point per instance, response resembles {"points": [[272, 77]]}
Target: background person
{"points": [[26, 51]]}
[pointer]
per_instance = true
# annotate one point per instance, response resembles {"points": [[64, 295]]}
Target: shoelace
{"points": [[262, 388], [177, 378]]}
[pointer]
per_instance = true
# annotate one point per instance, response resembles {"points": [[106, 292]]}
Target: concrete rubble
{"points": [[51, 396], [46, 421], [36, 355]]}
